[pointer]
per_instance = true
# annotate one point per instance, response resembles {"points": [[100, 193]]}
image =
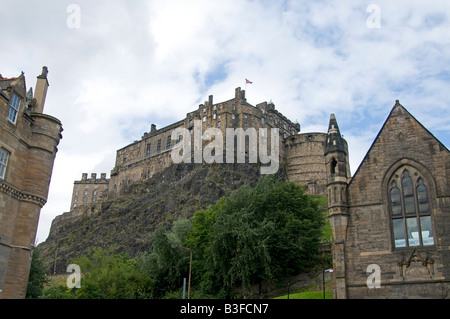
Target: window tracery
{"points": [[410, 209]]}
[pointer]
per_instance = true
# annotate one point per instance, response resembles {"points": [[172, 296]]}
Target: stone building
{"points": [[143, 158], [28, 146], [391, 220], [89, 190]]}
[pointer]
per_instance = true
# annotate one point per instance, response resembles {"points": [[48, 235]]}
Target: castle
{"points": [[28, 146], [301, 154]]}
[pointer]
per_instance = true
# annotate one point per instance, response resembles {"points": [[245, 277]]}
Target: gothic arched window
{"points": [[410, 210]]}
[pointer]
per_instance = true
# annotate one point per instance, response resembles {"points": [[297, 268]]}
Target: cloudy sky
{"points": [[116, 67]]}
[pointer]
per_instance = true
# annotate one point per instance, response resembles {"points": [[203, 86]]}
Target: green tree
{"points": [[263, 233], [36, 279], [164, 264], [110, 275]]}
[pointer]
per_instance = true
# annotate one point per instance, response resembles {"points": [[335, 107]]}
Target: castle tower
{"points": [[338, 172]]}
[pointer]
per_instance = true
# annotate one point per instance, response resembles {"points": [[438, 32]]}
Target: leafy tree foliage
{"points": [[268, 232], [165, 264], [36, 279], [111, 276]]}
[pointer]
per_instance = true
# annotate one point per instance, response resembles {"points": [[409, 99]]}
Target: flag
{"points": [[248, 82]]}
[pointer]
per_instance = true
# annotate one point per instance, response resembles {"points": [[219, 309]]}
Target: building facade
{"points": [[89, 190], [28, 146], [390, 221]]}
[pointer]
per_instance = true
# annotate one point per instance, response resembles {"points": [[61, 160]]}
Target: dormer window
{"points": [[14, 105]]}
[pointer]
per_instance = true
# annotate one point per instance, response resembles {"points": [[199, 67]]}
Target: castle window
{"points": [[149, 147], [169, 141], [410, 211], [158, 146], [262, 120], [13, 108], [4, 155]]}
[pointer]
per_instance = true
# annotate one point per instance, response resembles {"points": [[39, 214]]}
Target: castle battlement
{"points": [[89, 190]]}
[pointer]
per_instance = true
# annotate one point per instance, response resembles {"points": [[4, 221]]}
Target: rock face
{"points": [[129, 220]]}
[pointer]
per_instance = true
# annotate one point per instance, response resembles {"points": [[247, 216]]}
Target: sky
{"points": [[116, 67]]}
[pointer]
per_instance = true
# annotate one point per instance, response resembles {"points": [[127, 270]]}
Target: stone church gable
{"points": [[398, 216], [402, 139]]}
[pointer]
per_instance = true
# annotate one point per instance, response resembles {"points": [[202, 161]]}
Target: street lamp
{"points": [[323, 279], [190, 266]]}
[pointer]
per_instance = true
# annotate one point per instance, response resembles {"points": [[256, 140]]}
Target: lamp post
{"points": [[323, 279], [190, 266]]}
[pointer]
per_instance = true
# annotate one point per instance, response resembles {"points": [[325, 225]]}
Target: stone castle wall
{"points": [[305, 161]]}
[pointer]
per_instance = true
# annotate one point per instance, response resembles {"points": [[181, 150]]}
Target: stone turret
{"points": [[338, 172]]}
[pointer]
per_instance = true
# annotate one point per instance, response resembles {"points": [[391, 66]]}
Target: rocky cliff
{"points": [[128, 220]]}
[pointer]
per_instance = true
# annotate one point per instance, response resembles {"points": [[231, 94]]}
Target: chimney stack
{"points": [[40, 91]]}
